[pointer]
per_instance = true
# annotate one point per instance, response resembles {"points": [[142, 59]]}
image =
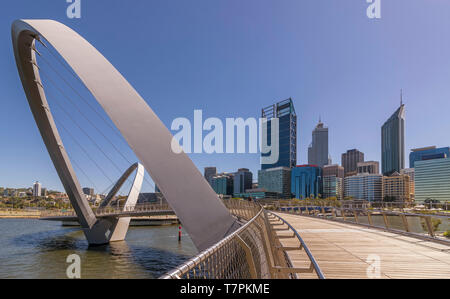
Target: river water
{"points": [[32, 248]]}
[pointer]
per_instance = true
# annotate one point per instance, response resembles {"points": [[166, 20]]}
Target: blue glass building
{"points": [[432, 180], [306, 181], [285, 113], [243, 180], [428, 153]]}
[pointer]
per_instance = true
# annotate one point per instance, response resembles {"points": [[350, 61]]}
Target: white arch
{"points": [[203, 215]]}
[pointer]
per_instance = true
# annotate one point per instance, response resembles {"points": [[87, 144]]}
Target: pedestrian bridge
{"points": [[138, 210], [283, 243], [344, 250]]}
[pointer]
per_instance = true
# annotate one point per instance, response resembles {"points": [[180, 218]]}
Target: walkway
{"points": [[342, 251]]}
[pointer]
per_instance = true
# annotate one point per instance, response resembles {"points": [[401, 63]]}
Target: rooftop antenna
{"points": [[401, 97]]}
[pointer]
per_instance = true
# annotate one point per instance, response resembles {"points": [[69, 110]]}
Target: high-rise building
{"points": [[222, 183], [243, 180], [350, 161], [209, 173], [318, 149], [333, 181], [364, 186], [396, 188], [306, 181], [410, 173], [333, 186], [276, 180], [432, 180], [372, 167], [88, 191], [333, 170], [428, 153], [37, 189], [285, 113], [393, 142]]}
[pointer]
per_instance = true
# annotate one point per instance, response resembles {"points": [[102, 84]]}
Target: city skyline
{"points": [[363, 73]]}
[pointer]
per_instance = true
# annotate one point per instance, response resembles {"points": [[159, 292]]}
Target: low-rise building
{"points": [[277, 180], [223, 183], [364, 186], [372, 167], [396, 188], [306, 181], [410, 172]]}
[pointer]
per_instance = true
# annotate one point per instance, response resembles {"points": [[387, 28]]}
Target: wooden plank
{"points": [[342, 251]]}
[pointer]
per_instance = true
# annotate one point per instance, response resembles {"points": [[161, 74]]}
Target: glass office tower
{"points": [[306, 181], [428, 153], [285, 112], [393, 142], [432, 180]]}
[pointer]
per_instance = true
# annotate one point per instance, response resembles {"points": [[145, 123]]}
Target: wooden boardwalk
{"points": [[344, 251]]}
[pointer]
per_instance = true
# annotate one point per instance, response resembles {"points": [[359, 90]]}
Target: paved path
{"points": [[344, 251]]}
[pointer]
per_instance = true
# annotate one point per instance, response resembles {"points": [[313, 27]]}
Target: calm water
{"points": [[38, 249]]}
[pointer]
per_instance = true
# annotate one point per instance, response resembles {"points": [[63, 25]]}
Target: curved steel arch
{"points": [[135, 188], [203, 215], [121, 225]]}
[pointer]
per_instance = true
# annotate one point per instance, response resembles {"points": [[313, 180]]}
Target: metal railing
{"points": [[252, 251], [314, 266], [428, 222], [113, 210]]}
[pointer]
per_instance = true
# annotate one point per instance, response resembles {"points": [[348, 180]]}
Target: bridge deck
{"points": [[341, 250]]}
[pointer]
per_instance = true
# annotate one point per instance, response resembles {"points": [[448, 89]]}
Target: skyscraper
{"points": [[285, 112], [209, 173], [243, 180], [37, 189], [350, 161], [318, 150], [393, 142]]}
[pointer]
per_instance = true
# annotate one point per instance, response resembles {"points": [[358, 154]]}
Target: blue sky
{"points": [[230, 58]]}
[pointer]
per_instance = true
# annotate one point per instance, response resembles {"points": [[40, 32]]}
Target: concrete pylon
{"points": [[204, 216]]}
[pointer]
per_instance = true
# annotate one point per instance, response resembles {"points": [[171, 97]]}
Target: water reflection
{"points": [[40, 251]]}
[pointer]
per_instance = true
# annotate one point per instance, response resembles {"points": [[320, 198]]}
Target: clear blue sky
{"points": [[232, 57]]}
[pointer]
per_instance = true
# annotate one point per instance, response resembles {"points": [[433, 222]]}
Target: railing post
{"points": [[248, 257], [369, 218], [355, 214], [429, 226], [405, 222], [386, 223]]}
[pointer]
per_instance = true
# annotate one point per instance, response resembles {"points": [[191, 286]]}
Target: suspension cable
{"points": [[84, 100]]}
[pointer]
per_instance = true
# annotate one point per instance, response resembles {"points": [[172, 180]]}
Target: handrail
{"points": [[191, 263], [397, 213], [428, 225], [304, 246]]}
